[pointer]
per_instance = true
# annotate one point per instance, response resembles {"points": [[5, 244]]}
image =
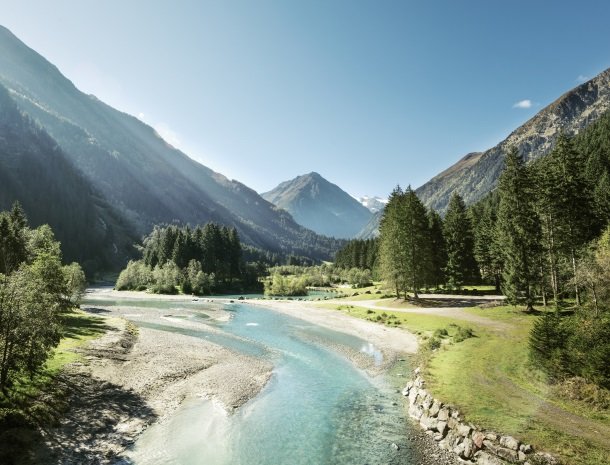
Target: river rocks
{"points": [[509, 442], [444, 424], [478, 438], [484, 458]]}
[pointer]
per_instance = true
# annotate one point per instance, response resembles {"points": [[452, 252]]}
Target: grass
{"points": [[489, 377], [29, 395]]}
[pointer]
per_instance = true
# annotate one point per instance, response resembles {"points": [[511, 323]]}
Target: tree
{"points": [[457, 231], [76, 282], [438, 250], [518, 232]]}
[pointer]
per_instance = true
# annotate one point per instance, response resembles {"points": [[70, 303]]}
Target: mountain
{"points": [[128, 165], [477, 173], [35, 171], [320, 205], [374, 204]]}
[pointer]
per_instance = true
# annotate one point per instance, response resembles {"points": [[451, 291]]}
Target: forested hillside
{"points": [[35, 171]]}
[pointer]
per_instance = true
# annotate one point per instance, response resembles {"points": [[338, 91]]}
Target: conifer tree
{"points": [[438, 250], [392, 253], [457, 230], [518, 232]]}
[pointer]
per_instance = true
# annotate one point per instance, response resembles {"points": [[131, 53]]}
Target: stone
{"points": [[445, 444], [521, 456], [459, 450], [436, 407], [464, 430], [438, 436], [416, 371], [455, 414], [485, 458], [468, 451], [443, 414], [507, 454], [427, 422], [548, 459], [490, 445], [491, 436], [441, 427], [395, 446], [452, 423], [413, 395], [415, 411], [478, 438], [509, 442], [526, 448], [427, 403]]}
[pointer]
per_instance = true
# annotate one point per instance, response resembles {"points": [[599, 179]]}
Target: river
{"points": [[318, 408]]}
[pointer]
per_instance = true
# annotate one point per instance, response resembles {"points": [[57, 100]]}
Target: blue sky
{"points": [[367, 93]]}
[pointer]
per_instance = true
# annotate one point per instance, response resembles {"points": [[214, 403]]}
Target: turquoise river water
{"points": [[318, 408]]}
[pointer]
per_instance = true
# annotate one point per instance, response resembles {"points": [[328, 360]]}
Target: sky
{"points": [[369, 94]]}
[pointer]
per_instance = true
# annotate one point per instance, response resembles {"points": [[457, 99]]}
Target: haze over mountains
{"points": [[320, 206], [127, 166]]}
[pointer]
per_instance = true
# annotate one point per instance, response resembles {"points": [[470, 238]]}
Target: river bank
{"points": [[133, 378]]}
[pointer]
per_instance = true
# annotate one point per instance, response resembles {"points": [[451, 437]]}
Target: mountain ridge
{"points": [[320, 205], [138, 173]]}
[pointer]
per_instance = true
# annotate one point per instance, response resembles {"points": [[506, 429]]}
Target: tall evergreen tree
{"points": [[392, 253], [438, 249], [457, 230], [518, 232]]}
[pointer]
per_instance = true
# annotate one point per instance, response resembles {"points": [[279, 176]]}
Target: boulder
{"points": [[548, 459], [478, 438], [452, 423], [428, 423], [441, 427], [436, 407], [415, 411], [526, 448], [485, 458], [443, 414], [468, 450], [507, 454], [491, 436], [509, 442], [521, 456], [413, 395], [464, 430]]}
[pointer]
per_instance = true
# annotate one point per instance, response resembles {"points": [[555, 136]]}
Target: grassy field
{"points": [[489, 377]]}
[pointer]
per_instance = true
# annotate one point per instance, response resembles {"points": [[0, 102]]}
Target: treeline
{"points": [[201, 260], [294, 280], [358, 253], [419, 250], [35, 290]]}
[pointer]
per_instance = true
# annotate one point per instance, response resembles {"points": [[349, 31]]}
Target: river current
{"points": [[318, 408]]}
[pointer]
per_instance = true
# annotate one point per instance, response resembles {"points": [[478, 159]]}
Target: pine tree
{"points": [[518, 232], [457, 230], [392, 253], [438, 250]]}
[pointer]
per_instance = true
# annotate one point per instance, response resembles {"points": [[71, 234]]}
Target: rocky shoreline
{"points": [[465, 441]]}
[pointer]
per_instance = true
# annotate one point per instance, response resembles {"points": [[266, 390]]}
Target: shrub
{"points": [[440, 333], [462, 334]]}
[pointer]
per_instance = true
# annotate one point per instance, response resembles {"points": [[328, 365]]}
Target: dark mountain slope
{"points": [[320, 205], [35, 171]]}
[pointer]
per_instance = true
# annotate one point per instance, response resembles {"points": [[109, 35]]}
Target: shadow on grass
{"points": [[440, 302], [78, 325]]}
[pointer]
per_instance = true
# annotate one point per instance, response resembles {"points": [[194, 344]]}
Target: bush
{"points": [[136, 276], [433, 343], [462, 334], [440, 333]]}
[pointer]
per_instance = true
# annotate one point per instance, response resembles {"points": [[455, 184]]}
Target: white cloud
{"points": [[168, 134], [523, 104], [582, 78]]}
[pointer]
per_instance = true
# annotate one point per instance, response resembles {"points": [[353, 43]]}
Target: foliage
{"points": [[518, 232], [404, 246], [35, 290], [358, 253], [461, 266], [200, 261], [279, 285]]}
